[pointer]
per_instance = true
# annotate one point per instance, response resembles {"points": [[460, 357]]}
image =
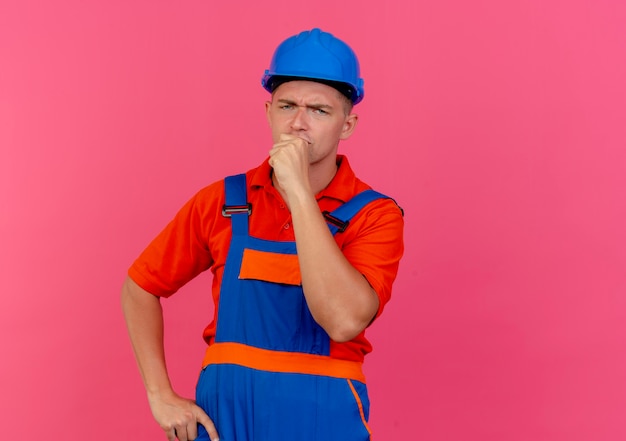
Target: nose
{"points": [[299, 120]]}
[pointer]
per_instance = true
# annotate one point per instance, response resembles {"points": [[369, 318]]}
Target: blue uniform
{"points": [[269, 375]]}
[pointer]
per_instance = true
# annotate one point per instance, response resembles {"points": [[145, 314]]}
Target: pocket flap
{"points": [[270, 267]]}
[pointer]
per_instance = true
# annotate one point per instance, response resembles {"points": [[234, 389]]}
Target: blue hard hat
{"points": [[317, 56]]}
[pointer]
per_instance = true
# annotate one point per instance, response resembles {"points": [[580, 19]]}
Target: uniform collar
{"points": [[342, 187]]}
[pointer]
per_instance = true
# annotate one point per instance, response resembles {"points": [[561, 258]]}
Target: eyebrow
{"points": [[311, 105]]}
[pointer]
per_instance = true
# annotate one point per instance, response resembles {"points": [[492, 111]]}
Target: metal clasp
{"points": [[229, 210], [341, 225]]}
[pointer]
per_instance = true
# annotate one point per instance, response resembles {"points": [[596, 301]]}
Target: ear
{"points": [[268, 108], [349, 125]]}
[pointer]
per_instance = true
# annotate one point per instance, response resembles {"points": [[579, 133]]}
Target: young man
{"points": [[303, 256]]}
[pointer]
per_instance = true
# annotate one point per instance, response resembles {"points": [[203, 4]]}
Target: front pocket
{"points": [[270, 267], [362, 403]]}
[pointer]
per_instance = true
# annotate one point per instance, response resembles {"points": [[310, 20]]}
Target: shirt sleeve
{"points": [[180, 252], [377, 246]]}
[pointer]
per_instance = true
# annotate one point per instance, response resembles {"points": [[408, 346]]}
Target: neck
{"points": [[320, 176]]}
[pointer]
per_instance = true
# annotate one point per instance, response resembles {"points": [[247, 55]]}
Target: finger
{"points": [[276, 148], [293, 139], [192, 430], [289, 149], [280, 145], [204, 419], [286, 137], [181, 433], [171, 434]]}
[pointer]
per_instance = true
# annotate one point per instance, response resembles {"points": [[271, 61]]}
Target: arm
{"points": [[339, 297], [177, 416]]}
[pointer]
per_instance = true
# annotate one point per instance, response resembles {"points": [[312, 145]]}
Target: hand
{"points": [[289, 158], [179, 417]]}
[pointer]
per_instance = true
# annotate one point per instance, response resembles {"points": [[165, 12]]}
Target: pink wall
{"points": [[499, 126]]}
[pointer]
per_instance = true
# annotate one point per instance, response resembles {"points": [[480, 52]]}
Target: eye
{"points": [[319, 111], [286, 107]]}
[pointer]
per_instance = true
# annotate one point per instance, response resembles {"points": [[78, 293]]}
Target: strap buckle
{"points": [[341, 225], [229, 210]]}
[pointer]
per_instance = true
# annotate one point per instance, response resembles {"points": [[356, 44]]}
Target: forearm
{"points": [[177, 416], [144, 320], [339, 297]]}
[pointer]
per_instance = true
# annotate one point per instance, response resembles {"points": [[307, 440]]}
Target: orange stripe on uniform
{"points": [[360, 404], [285, 362]]}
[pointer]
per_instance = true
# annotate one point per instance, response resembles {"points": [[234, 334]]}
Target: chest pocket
{"points": [[270, 267]]}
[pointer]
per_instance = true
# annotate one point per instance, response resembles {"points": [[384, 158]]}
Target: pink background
{"points": [[498, 125]]}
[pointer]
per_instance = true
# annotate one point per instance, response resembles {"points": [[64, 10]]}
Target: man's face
{"points": [[314, 112]]}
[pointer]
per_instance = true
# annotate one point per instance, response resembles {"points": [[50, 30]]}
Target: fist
{"points": [[289, 157]]}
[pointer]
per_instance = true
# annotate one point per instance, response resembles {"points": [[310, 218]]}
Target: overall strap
{"points": [[339, 219], [237, 206]]}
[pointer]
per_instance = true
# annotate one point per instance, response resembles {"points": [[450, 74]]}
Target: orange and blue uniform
{"points": [[270, 371]]}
